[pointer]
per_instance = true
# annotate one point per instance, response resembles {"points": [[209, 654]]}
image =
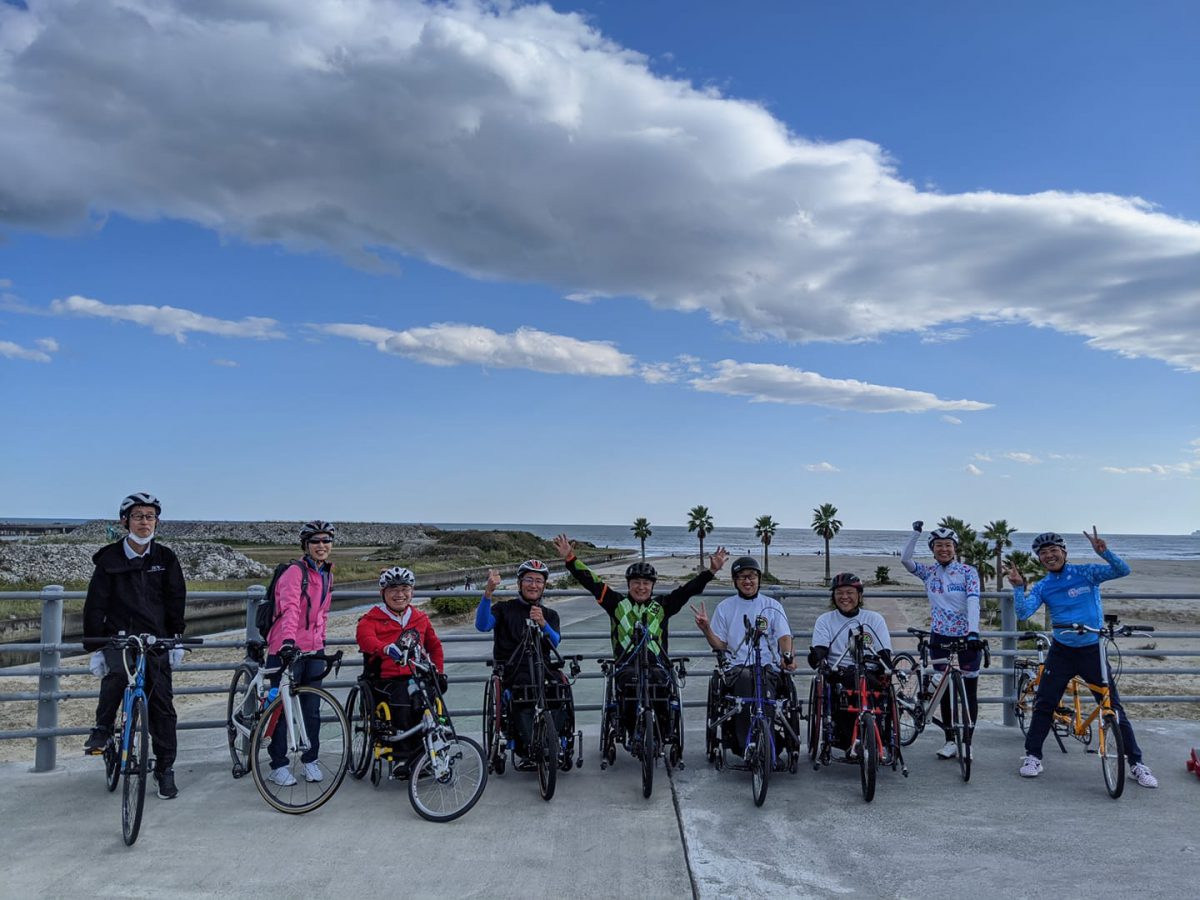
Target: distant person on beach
{"points": [[506, 620], [831, 640], [953, 591], [378, 633], [726, 633], [626, 612], [138, 588], [1072, 595], [303, 596]]}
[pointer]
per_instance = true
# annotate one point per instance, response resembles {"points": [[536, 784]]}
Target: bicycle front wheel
{"points": [[648, 751], [239, 718], [1112, 755], [868, 756], [816, 719], [960, 716], [545, 744], [358, 717], [907, 681], [294, 787], [441, 796], [1023, 708], [759, 759], [112, 763], [136, 764]]}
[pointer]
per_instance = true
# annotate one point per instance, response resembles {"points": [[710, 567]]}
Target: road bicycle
{"points": [[257, 709], [657, 730], [920, 689], [774, 727], [447, 772], [127, 753], [874, 738]]}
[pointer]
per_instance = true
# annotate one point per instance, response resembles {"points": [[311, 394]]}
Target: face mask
{"points": [[141, 541]]}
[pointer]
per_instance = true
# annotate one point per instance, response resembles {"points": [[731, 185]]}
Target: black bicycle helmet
{"points": [[847, 579], [313, 528], [1048, 539], [641, 569], [139, 499], [745, 563]]}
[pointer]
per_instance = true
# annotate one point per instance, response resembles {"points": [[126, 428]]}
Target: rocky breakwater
{"points": [[59, 562]]}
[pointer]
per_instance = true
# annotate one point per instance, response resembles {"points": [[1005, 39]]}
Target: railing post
{"points": [[254, 595], [1008, 623], [47, 712]]}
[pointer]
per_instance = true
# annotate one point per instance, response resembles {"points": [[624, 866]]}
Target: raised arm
{"points": [[485, 619], [906, 556]]}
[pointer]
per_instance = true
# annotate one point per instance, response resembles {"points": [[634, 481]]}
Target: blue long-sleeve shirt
{"points": [[485, 620], [1072, 595]]}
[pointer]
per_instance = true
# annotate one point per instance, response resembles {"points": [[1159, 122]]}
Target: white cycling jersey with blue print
{"points": [[1072, 596], [953, 593]]}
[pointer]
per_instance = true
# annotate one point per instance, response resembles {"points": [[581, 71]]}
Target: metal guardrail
{"points": [[49, 667]]}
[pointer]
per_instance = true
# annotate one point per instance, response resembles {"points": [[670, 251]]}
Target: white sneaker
{"points": [[949, 750], [312, 772], [1144, 776], [1031, 768], [281, 777]]}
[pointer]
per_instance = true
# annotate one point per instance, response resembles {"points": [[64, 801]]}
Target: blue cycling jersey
{"points": [[1072, 595]]}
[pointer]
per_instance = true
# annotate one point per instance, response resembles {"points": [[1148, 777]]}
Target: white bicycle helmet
{"points": [[396, 576], [942, 534], [139, 499]]}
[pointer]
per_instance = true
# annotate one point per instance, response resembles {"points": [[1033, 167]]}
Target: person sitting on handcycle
{"points": [[512, 651], [379, 633], [831, 641], [626, 612], [727, 633]]}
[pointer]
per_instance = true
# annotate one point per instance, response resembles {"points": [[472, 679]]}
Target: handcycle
{"points": [[1110, 743], [127, 757], [256, 710], [774, 727], [657, 730], [920, 689], [446, 773], [874, 739], [548, 750]]}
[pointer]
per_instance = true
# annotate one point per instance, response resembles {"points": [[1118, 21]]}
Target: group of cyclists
{"points": [[138, 587]]}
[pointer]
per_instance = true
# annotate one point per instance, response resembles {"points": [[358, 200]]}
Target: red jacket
{"points": [[380, 627]]}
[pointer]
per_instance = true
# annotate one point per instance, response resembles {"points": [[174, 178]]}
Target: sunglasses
{"points": [[320, 540]]}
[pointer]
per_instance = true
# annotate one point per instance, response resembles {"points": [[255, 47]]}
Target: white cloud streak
{"points": [[1188, 467], [515, 142], [952, 420], [972, 469], [822, 467], [168, 320], [768, 383], [527, 348], [9, 350], [1026, 459]]}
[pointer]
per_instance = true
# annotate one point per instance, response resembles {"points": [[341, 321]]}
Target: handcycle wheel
{"points": [[112, 764], [608, 738], [333, 739], [816, 719], [1023, 708], [136, 765], [359, 708], [907, 683], [442, 799], [1112, 755], [545, 749], [712, 746], [868, 757], [240, 713], [495, 760], [759, 761], [675, 754], [648, 750], [959, 713]]}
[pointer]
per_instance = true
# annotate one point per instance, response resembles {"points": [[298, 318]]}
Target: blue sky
{"points": [[587, 262]]}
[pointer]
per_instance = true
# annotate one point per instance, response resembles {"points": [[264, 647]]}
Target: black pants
{"points": [[522, 707], [404, 712], [160, 702], [305, 672], [969, 661], [740, 683], [626, 695], [843, 684]]}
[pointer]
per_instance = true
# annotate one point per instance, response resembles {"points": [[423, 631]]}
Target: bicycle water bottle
{"points": [[271, 695]]}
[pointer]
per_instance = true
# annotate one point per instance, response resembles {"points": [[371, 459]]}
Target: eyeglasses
{"points": [[320, 540], [744, 576], [143, 517], [533, 579]]}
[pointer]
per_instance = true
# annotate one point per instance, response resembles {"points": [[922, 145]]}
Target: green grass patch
{"points": [[454, 606]]}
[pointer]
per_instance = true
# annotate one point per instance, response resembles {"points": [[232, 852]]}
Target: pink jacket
{"points": [[297, 619]]}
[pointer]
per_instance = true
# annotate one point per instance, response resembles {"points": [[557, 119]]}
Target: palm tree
{"points": [[700, 522], [999, 532], [641, 531], [764, 530], [965, 532], [978, 553], [826, 525]]}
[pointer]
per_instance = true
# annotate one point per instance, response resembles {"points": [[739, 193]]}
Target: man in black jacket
{"points": [[137, 588]]}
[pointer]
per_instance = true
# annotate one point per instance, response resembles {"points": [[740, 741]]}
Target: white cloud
{"points": [[168, 320], [1027, 459], [527, 348], [50, 345], [614, 181], [9, 350], [952, 420], [973, 469], [944, 337], [983, 457], [1187, 467], [226, 363], [822, 467], [767, 383]]}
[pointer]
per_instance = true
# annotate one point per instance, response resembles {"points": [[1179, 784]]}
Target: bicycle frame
{"points": [[759, 704]]}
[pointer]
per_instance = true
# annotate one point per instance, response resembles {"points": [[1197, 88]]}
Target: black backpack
{"points": [[266, 614]]}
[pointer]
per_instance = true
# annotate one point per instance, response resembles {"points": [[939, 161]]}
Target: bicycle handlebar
{"points": [[153, 642]]}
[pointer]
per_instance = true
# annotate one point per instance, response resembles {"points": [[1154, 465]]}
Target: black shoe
{"points": [[96, 741], [166, 784], [526, 765]]}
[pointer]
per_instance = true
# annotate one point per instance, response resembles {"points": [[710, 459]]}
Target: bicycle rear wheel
{"points": [[112, 763], [1112, 755], [240, 713], [441, 799], [332, 736], [959, 715], [359, 708], [1023, 708], [816, 719], [545, 748], [907, 682], [649, 750], [136, 764], [759, 759], [868, 756]]}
